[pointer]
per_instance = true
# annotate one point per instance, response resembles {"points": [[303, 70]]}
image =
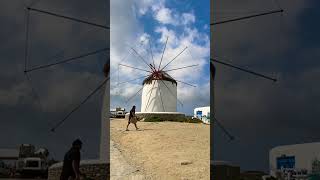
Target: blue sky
{"points": [[151, 22]]}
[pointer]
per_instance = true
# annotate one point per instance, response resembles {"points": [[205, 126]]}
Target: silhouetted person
{"points": [[132, 118], [71, 162]]}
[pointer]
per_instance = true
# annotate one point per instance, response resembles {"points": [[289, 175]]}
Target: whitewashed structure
{"points": [[202, 113], [159, 93], [300, 158]]}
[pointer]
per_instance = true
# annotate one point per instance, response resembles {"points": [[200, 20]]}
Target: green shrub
{"points": [[153, 119], [179, 119]]}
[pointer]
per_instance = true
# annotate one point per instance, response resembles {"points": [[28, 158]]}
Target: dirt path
{"points": [[120, 169], [164, 150]]}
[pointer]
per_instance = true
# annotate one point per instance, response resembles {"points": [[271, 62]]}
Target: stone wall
{"points": [[94, 169]]}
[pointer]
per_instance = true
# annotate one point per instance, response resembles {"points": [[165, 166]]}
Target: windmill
{"points": [[214, 59], [159, 88], [104, 137]]}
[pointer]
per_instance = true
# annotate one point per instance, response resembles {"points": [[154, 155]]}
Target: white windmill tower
{"points": [[159, 93], [159, 88]]}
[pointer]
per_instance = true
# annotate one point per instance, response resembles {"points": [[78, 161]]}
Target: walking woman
{"points": [[132, 118]]}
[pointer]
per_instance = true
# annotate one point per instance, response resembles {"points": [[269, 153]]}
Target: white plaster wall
{"points": [[204, 110], [304, 155], [105, 126], [169, 97]]}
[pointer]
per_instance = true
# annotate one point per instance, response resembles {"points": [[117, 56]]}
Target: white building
{"points": [[298, 158], [159, 93], [202, 113]]}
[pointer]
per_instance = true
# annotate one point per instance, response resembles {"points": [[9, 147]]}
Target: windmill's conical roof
{"points": [[158, 75]]}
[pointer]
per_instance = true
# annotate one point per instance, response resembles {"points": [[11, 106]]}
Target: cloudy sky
{"points": [[145, 26], [26, 118], [259, 113]]}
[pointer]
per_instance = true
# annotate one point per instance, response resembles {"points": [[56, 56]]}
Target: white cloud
{"points": [[165, 32], [195, 53], [144, 38], [144, 5], [165, 16], [192, 95], [188, 18], [130, 32]]}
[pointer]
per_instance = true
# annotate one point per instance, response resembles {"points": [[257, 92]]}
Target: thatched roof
{"points": [[160, 75]]}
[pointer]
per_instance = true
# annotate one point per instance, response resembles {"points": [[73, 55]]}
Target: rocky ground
{"points": [[160, 150]]}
